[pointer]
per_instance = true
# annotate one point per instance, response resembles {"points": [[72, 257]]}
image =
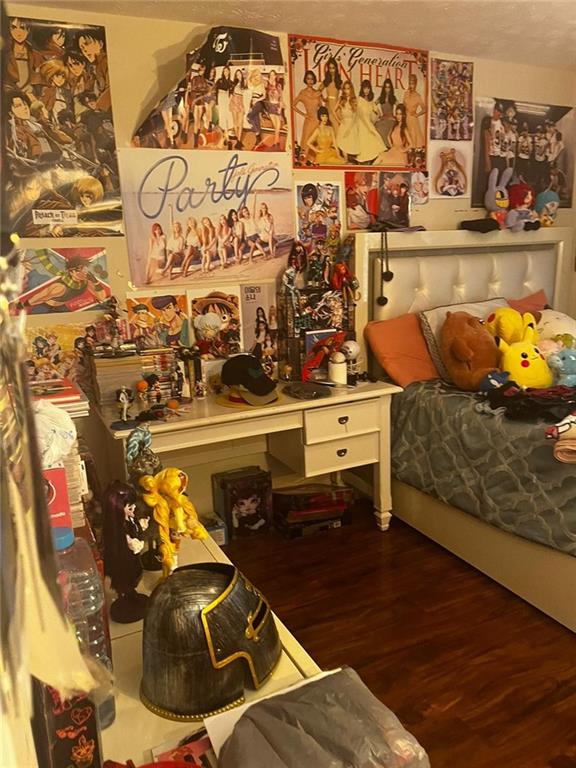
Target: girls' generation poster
{"points": [[61, 178], [63, 280], [319, 213], [450, 169], [451, 107], [159, 321], [536, 140], [357, 103], [233, 97], [194, 217], [216, 321], [260, 323]]}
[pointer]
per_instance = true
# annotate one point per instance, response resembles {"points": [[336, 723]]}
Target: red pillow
{"points": [[534, 303], [400, 348]]}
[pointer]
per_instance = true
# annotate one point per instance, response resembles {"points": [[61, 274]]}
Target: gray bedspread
{"points": [[499, 470]]}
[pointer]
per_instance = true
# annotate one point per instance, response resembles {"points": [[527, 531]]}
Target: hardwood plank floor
{"points": [[482, 679]]}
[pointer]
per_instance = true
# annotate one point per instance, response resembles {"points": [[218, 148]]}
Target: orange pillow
{"points": [[534, 303], [400, 348]]}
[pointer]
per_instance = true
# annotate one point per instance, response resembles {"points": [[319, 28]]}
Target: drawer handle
{"points": [[343, 420], [342, 452]]}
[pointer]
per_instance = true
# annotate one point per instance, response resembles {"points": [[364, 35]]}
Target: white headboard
{"points": [[436, 268]]}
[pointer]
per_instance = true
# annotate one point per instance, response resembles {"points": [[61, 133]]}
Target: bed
{"points": [[443, 268]]}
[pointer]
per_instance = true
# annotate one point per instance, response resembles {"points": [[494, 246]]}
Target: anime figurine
{"points": [[521, 214], [343, 280], [289, 285], [123, 543], [207, 328], [173, 511], [200, 389], [124, 397]]}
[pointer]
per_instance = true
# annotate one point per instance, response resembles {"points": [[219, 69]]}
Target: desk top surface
{"points": [[207, 411]]}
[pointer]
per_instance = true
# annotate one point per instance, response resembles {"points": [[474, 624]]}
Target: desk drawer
{"points": [[343, 453], [321, 424]]}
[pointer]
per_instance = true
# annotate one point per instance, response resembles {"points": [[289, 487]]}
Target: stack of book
{"points": [[109, 373], [305, 509], [63, 393]]}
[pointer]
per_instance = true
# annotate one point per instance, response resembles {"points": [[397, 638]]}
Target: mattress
{"points": [[501, 471]]}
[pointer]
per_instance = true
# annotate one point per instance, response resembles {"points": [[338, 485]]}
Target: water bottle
{"points": [[83, 601]]}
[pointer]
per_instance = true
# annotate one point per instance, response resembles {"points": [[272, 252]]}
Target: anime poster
{"points": [[57, 352], [233, 97], [319, 214], [62, 174], [196, 218], [357, 103], [63, 280], [451, 101], [158, 321], [536, 140], [450, 169], [216, 321], [394, 198], [260, 323], [362, 189]]}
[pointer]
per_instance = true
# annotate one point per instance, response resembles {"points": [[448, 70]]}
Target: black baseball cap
{"points": [[245, 373]]}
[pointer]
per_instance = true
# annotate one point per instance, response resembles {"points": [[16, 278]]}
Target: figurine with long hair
{"points": [[173, 511], [123, 542]]}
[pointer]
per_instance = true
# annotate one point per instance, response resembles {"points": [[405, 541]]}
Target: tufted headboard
{"points": [[436, 268]]}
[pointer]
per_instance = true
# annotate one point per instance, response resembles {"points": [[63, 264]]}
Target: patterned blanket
{"points": [[504, 472]]}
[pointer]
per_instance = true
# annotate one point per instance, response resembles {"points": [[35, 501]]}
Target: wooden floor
{"points": [[482, 679]]}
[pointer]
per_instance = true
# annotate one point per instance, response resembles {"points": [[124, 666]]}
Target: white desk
{"points": [[136, 729], [350, 428]]}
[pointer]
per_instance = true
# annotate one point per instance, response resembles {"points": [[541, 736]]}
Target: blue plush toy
{"points": [[563, 364]]}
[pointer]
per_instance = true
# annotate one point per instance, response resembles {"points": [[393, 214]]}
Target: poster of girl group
{"points": [[535, 140], [202, 216], [233, 97], [61, 175], [356, 103], [452, 106]]}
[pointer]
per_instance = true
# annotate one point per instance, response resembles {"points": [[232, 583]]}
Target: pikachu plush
{"points": [[508, 324], [524, 361]]}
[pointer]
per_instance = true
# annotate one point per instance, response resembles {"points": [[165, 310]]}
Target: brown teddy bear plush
{"points": [[468, 351]]}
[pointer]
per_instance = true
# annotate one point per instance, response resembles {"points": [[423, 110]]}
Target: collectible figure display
{"points": [[123, 543], [357, 104], [62, 175]]}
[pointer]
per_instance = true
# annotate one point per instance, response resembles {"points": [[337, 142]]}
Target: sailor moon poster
{"points": [[357, 103], [195, 217]]}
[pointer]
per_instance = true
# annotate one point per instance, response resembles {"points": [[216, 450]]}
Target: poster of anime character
{"points": [[450, 169], [233, 96], [362, 190], [158, 321], [216, 321], [260, 324], [62, 175], [451, 100], [319, 213], [194, 218], [357, 103], [394, 198], [419, 187], [536, 140], [57, 352], [63, 280]]}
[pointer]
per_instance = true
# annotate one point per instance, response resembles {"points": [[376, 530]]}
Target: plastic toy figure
{"points": [[173, 511], [200, 390], [124, 398], [123, 543]]}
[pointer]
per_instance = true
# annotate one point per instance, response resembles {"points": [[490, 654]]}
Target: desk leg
{"points": [[382, 494]]}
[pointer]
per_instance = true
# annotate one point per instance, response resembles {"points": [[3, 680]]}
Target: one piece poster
{"points": [[319, 213], [260, 323], [61, 178], [357, 103], [450, 169], [194, 217], [233, 96], [159, 321], [57, 352], [451, 100], [216, 321], [63, 280], [394, 198], [536, 140], [362, 190]]}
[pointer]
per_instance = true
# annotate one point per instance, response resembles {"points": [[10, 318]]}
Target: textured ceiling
{"points": [[541, 32]]}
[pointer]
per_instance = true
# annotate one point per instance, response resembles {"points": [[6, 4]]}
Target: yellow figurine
{"points": [[524, 362], [173, 511], [508, 324]]}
